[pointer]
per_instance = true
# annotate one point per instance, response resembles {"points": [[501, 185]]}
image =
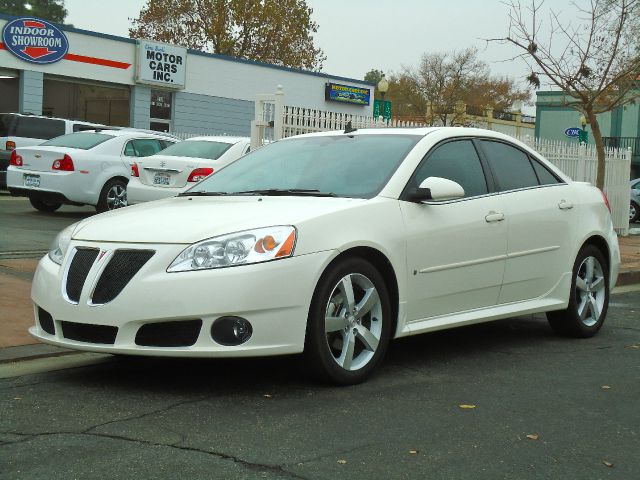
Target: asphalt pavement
{"points": [[504, 400]]}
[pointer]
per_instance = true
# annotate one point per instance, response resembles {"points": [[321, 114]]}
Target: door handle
{"points": [[494, 217], [564, 205]]}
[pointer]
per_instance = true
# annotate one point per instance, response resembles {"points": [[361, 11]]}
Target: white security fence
{"points": [[275, 120]]}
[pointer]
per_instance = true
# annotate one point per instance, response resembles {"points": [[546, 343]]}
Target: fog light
{"points": [[231, 331]]}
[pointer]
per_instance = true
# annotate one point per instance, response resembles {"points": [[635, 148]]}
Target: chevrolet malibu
{"points": [[332, 244]]}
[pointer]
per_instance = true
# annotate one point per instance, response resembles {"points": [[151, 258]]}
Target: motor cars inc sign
{"points": [[161, 64]]}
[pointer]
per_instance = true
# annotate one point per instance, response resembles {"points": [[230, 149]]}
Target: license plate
{"points": [[161, 179], [32, 181]]}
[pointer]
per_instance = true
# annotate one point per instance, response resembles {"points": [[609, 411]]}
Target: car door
{"points": [[540, 214], [455, 249]]}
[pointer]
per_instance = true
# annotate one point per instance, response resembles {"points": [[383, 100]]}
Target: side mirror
{"points": [[436, 188]]}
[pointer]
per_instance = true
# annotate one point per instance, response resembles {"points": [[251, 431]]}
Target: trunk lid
{"points": [[169, 172]]}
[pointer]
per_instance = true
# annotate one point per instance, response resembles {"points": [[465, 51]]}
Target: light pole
{"points": [[583, 133], [383, 87]]}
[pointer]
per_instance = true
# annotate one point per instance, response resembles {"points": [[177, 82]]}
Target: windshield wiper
{"points": [[286, 191], [202, 193]]}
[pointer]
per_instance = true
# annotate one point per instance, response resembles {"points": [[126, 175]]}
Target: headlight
{"points": [[241, 248], [60, 244]]}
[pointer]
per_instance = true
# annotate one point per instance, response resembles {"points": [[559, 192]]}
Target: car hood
{"points": [[186, 220]]}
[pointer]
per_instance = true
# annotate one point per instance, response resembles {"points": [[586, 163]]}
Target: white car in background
{"points": [[332, 244], [84, 168], [182, 165]]}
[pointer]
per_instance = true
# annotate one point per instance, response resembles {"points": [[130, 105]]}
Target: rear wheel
{"points": [[634, 212], [112, 196], [43, 205], [349, 324], [589, 298]]}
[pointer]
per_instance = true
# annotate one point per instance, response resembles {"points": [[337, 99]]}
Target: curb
{"points": [[629, 277]]}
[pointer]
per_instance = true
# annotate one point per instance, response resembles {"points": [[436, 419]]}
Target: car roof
{"points": [[28, 115], [219, 138], [421, 131]]}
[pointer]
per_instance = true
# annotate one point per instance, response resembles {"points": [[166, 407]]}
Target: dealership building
{"points": [[60, 71]]}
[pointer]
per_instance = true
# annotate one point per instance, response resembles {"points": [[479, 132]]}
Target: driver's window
{"points": [[457, 161]]}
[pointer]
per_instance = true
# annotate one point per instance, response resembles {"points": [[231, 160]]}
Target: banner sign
{"points": [[35, 41], [573, 132], [161, 64], [336, 92]]}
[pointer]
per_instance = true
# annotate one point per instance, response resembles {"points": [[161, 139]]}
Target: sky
{"points": [[359, 35]]}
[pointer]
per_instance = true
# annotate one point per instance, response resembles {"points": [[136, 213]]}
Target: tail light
{"points": [[606, 200], [64, 164], [134, 170], [10, 145], [199, 174], [15, 160]]}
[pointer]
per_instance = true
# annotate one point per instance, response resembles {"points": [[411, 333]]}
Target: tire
{"points": [[367, 332], [588, 299], [112, 196], [634, 212], [44, 206]]}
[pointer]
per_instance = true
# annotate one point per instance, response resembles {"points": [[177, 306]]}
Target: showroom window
{"points": [[9, 91], [160, 112], [66, 98]]}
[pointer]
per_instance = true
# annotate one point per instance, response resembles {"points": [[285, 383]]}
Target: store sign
{"points": [[35, 41], [161, 64], [573, 132], [344, 93]]}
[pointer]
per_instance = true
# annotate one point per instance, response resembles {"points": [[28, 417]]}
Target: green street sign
{"points": [[386, 111]]}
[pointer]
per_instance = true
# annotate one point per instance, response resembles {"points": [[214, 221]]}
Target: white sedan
{"points": [[332, 244], [180, 166], [84, 168]]}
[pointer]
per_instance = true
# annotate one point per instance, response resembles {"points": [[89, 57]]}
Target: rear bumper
{"points": [[59, 187], [138, 192]]}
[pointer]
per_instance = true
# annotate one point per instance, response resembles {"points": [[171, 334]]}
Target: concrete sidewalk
{"points": [[16, 312]]}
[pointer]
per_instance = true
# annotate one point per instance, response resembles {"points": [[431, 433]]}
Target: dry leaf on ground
{"points": [[342, 461], [533, 436], [465, 406], [608, 464], [413, 451], [266, 395], [605, 387]]}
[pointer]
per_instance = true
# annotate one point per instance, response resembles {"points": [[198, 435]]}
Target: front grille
{"points": [[78, 271], [169, 334], [84, 332], [121, 268], [46, 321]]}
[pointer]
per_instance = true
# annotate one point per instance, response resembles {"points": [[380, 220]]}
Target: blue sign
{"points": [[35, 41], [573, 132], [347, 94]]}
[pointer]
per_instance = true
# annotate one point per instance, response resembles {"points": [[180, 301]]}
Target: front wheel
{"points": [[349, 323], [44, 206], [588, 299], [112, 196]]}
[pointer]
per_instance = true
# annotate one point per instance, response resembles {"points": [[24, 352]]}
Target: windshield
{"points": [[341, 165], [197, 149], [83, 141]]}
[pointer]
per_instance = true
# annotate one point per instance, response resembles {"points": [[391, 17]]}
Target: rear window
{"points": [[30, 127], [6, 126], [197, 149], [82, 140], [43, 128]]}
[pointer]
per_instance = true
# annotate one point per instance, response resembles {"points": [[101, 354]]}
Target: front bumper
{"points": [[273, 296], [138, 192]]}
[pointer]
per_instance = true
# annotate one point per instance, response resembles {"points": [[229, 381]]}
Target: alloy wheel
{"points": [[353, 321], [116, 197], [633, 211], [590, 291]]}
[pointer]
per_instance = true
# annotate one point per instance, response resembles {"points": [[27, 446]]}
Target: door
{"points": [[455, 249], [539, 211]]}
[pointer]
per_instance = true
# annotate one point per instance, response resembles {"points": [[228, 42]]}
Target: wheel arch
{"points": [[380, 261], [601, 244]]}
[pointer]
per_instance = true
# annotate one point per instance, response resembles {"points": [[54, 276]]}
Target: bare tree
{"points": [[596, 63], [444, 80]]}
